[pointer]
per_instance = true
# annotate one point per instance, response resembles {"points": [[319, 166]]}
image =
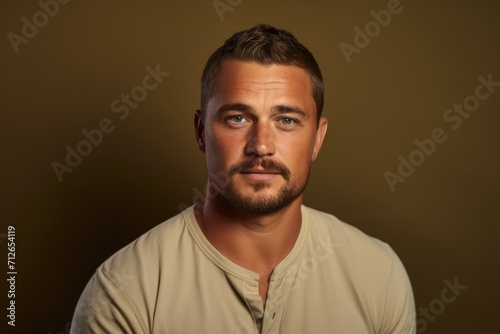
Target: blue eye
{"points": [[287, 121], [237, 118], [236, 121]]}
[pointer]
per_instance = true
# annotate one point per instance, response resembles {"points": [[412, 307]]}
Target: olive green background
{"points": [[442, 221]]}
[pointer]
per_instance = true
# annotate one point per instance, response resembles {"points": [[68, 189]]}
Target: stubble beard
{"points": [[259, 203]]}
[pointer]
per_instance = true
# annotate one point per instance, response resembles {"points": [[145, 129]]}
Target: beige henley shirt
{"points": [[171, 280]]}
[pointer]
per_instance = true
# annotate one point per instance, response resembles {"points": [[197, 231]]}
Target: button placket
{"points": [[274, 303], [254, 302]]}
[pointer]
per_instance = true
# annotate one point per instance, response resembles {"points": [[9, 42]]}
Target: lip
{"points": [[259, 174]]}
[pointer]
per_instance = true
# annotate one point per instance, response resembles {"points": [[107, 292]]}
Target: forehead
{"points": [[237, 78]]}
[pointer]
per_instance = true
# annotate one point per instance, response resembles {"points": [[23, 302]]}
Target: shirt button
{"points": [[260, 320]]}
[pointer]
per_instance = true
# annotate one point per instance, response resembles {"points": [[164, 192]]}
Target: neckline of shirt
{"points": [[232, 268]]}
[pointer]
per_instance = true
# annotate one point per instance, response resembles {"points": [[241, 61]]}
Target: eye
{"points": [[236, 120], [287, 121]]}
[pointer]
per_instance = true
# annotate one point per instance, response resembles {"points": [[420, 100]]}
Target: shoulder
{"points": [[368, 268], [347, 238], [367, 262], [137, 268], [129, 280], [150, 248]]}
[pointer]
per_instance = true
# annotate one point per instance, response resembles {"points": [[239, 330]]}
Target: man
{"points": [[251, 258]]}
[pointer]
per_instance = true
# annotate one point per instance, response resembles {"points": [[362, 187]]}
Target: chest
{"points": [[228, 304]]}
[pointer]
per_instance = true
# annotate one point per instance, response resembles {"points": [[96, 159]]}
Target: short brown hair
{"points": [[265, 45]]}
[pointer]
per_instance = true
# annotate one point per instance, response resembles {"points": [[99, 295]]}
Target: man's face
{"points": [[259, 135]]}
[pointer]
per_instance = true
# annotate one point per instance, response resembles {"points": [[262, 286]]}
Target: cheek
{"points": [[299, 149], [298, 157], [221, 151], [214, 154]]}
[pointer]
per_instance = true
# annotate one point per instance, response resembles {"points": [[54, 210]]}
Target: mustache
{"points": [[266, 164]]}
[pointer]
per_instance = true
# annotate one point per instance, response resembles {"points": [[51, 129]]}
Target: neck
{"points": [[257, 243]]}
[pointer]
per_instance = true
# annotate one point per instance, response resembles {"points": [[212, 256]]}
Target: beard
{"points": [[260, 204]]}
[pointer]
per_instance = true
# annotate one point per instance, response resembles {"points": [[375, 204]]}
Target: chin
{"points": [[265, 201]]}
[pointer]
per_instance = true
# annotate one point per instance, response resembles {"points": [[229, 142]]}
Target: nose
{"points": [[260, 141]]}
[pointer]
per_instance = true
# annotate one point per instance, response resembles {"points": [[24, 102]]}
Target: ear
{"points": [[320, 135], [200, 130]]}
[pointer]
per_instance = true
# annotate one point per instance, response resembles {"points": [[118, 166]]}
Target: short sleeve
{"points": [[105, 308], [399, 315]]}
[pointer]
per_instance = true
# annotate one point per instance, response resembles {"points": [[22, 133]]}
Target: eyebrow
{"points": [[248, 109], [290, 109], [234, 107]]}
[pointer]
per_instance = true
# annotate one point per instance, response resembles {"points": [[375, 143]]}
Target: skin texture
{"points": [[260, 135]]}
